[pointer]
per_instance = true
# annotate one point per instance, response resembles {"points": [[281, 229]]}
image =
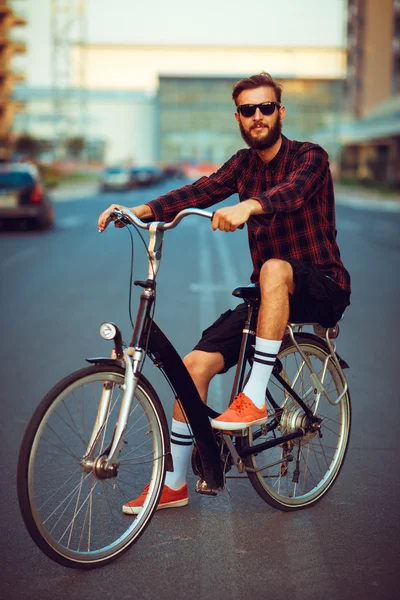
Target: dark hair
{"points": [[263, 79]]}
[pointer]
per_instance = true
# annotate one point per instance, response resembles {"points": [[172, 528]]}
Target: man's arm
{"points": [[201, 194], [306, 178]]}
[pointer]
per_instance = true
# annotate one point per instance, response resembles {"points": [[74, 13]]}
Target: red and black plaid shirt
{"points": [[296, 192]]}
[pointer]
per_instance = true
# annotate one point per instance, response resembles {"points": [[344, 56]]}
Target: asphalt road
{"points": [[56, 290]]}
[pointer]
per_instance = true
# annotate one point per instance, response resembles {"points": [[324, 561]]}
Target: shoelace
{"points": [[240, 403]]}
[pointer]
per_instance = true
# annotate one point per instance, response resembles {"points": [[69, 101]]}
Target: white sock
{"points": [[181, 450], [264, 359]]}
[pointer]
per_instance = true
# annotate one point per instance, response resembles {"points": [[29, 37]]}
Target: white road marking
{"points": [[207, 303], [222, 536], [70, 222], [19, 256], [228, 270], [209, 288]]}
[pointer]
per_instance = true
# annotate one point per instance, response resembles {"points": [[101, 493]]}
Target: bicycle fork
{"points": [[106, 463]]}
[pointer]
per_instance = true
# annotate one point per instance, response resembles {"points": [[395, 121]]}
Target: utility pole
{"points": [[68, 30]]}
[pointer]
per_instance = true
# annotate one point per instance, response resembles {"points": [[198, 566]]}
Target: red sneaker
{"points": [[169, 499], [242, 413]]}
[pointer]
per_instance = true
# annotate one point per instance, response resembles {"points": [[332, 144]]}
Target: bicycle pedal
{"points": [[203, 488]]}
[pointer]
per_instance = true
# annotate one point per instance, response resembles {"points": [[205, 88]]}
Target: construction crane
{"points": [[68, 31]]}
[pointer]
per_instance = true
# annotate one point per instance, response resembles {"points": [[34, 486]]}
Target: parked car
{"points": [[148, 175], [174, 170], [116, 178], [23, 196]]}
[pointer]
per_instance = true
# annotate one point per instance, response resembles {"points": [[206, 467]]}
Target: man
{"points": [[287, 200]]}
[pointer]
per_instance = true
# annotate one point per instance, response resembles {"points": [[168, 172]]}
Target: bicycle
{"points": [[100, 435]]}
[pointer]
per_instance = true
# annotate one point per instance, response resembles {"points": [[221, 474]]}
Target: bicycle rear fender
{"points": [[163, 353]]}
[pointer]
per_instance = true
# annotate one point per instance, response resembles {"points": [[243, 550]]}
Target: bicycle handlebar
{"points": [[134, 220], [131, 218]]}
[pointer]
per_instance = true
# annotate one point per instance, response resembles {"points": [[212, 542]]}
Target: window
{"points": [[13, 181]]}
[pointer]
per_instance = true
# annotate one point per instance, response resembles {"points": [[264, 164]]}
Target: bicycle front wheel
{"points": [[73, 513], [298, 473]]}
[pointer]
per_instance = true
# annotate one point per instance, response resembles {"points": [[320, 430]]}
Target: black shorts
{"points": [[317, 299]]}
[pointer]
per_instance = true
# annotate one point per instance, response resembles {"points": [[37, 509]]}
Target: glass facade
{"points": [[196, 121]]}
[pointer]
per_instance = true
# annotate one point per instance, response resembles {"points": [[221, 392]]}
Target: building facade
{"points": [[371, 76], [120, 126], [193, 85], [9, 47], [173, 103], [196, 120], [371, 142]]}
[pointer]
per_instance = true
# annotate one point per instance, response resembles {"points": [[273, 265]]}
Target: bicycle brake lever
{"points": [[120, 218]]}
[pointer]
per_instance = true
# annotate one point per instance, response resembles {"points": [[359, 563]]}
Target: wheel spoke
{"points": [[75, 505], [320, 453]]}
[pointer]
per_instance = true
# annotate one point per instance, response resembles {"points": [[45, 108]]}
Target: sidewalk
{"points": [[357, 197], [75, 191], [347, 196]]}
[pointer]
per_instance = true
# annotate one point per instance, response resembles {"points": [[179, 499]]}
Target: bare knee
{"points": [[276, 273], [202, 366]]}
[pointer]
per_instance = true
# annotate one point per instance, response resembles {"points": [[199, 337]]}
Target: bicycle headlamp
{"points": [[108, 331]]}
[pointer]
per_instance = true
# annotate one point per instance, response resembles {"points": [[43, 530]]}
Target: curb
{"points": [[363, 201]]}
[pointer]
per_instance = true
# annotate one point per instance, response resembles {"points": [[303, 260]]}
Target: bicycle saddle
{"points": [[247, 292]]}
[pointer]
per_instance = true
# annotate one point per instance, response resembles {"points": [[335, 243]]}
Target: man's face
{"points": [[259, 131]]}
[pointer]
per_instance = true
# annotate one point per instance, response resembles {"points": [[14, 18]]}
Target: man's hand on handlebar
{"points": [[142, 212], [232, 217], [105, 217]]}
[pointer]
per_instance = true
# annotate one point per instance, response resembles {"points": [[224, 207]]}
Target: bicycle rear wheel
{"points": [[298, 473], [72, 514]]}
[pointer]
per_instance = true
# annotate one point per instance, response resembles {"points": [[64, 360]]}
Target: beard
{"points": [[265, 141]]}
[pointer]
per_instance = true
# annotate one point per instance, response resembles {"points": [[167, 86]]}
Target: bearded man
{"points": [[287, 201]]}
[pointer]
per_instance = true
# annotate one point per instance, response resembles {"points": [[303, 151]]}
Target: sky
{"points": [[225, 22], [208, 22]]}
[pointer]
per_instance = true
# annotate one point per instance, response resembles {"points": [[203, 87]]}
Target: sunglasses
{"points": [[266, 108]]}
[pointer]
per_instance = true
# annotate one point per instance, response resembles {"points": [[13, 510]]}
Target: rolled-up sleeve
{"points": [[307, 175], [203, 193]]}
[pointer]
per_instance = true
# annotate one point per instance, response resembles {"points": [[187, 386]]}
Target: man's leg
{"points": [[276, 283], [202, 367]]}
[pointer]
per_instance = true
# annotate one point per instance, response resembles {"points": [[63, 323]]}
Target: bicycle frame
{"points": [[148, 338]]}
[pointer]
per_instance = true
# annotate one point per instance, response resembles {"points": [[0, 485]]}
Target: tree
{"points": [[75, 146], [28, 146]]}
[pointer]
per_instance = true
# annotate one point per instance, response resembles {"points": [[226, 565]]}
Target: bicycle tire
{"points": [[73, 516], [320, 458]]}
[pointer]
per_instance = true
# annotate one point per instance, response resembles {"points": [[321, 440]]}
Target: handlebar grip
{"points": [[240, 226]]}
